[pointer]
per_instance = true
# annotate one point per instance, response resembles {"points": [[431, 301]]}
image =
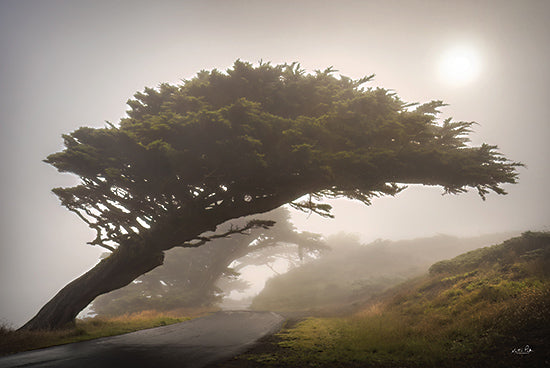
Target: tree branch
{"points": [[265, 224]]}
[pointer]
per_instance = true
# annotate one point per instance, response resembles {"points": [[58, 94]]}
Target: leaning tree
{"points": [[190, 157]]}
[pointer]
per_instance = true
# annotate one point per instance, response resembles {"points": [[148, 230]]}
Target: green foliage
{"points": [[225, 145]]}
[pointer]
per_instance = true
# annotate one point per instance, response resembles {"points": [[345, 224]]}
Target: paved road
{"points": [[191, 344]]}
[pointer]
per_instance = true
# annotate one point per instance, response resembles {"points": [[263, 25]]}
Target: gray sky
{"points": [[64, 64]]}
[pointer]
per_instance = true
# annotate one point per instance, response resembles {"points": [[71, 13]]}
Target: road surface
{"points": [[191, 344]]}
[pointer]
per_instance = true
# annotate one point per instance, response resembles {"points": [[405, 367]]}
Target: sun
{"points": [[459, 65]]}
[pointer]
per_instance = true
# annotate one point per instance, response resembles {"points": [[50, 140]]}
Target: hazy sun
{"points": [[459, 65]]}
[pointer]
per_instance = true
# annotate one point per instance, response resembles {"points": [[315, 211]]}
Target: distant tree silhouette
{"points": [[188, 158], [190, 277]]}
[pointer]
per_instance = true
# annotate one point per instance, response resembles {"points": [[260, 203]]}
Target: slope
{"points": [[480, 309], [353, 272]]}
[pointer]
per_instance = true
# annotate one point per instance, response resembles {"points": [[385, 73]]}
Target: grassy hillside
{"points": [[470, 311], [353, 272]]}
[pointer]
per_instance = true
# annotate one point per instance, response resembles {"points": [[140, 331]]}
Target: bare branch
{"points": [[99, 241], [264, 224]]}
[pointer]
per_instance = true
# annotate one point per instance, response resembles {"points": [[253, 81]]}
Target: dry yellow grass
{"points": [[13, 341]]}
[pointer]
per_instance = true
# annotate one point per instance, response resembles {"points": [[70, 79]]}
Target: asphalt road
{"points": [[191, 344]]}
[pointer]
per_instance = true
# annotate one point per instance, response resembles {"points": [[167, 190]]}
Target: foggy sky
{"points": [[64, 64]]}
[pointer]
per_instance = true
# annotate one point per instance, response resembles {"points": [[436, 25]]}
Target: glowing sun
{"points": [[459, 65]]}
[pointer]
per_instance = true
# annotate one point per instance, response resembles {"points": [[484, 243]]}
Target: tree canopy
{"points": [[225, 145]]}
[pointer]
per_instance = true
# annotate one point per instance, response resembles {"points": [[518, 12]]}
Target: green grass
{"points": [[472, 309], [12, 341]]}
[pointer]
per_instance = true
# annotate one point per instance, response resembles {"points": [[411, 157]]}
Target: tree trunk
{"points": [[118, 270]]}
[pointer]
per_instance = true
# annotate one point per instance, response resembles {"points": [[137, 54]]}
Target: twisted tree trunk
{"points": [[118, 270]]}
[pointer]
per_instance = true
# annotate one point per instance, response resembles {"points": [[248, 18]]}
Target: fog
{"points": [[66, 64], [352, 274]]}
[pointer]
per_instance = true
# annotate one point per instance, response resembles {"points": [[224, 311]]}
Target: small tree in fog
{"points": [[220, 146]]}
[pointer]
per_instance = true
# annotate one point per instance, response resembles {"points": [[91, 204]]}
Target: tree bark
{"points": [[118, 270]]}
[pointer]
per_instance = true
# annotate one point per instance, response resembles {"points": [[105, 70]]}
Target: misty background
{"points": [[65, 64]]}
